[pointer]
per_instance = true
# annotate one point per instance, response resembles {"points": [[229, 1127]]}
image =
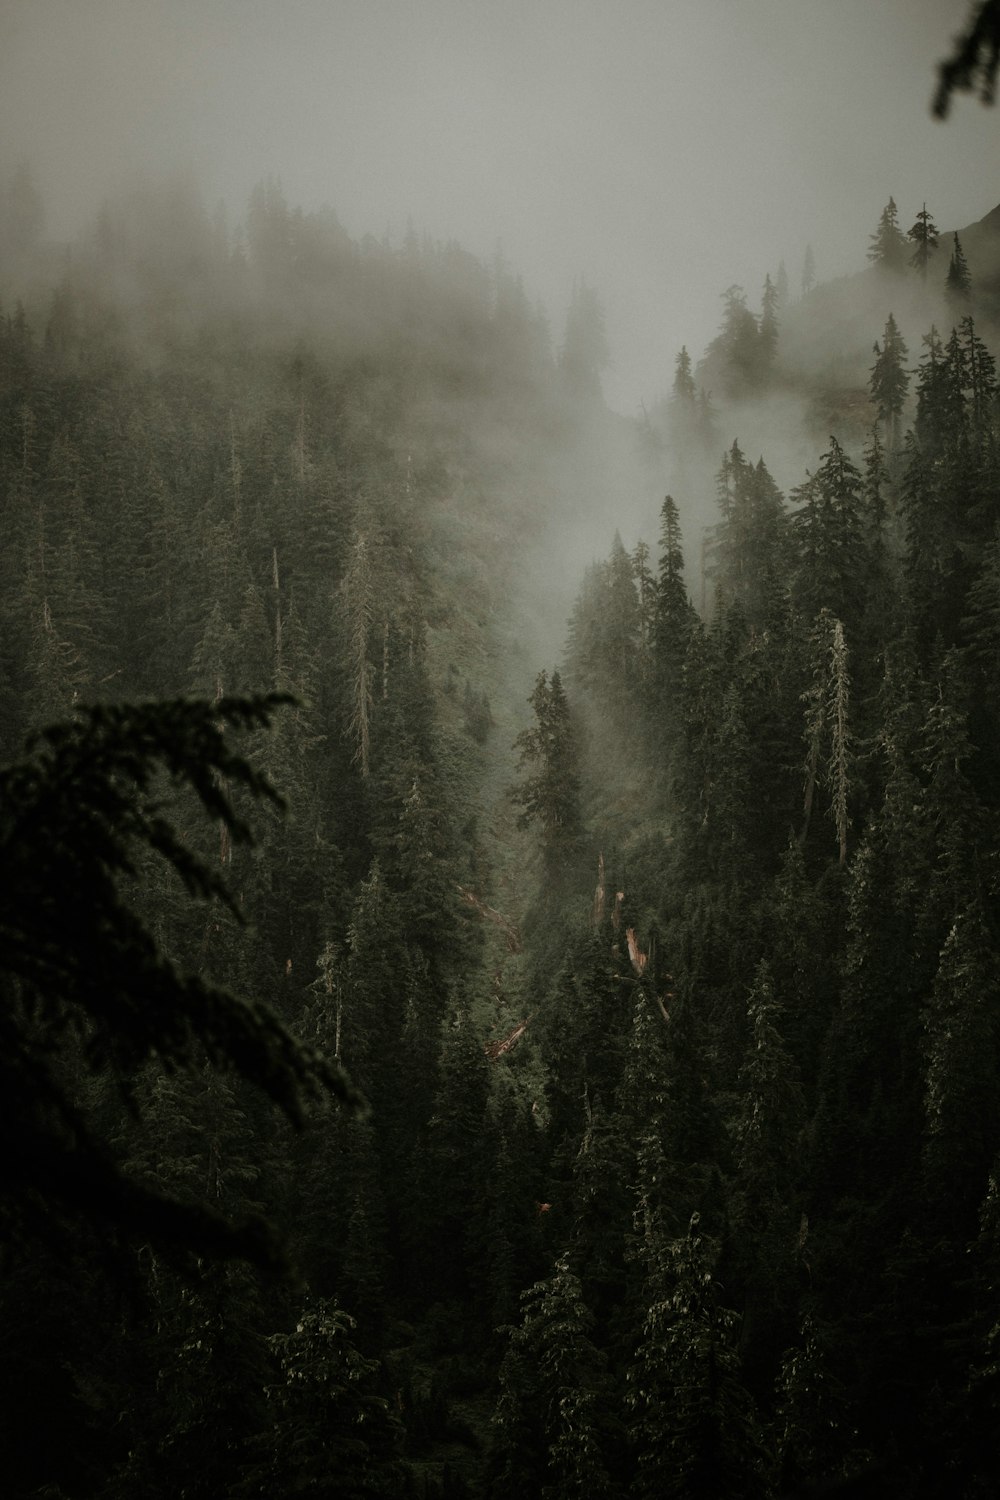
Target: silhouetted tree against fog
{"points": [[958, 284], [887, 246], [768, 330], [889, 381], [734, 354], [924, 235], [808, 271]]}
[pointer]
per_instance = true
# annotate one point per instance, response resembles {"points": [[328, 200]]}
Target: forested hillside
{"points": [[494, 1022]]}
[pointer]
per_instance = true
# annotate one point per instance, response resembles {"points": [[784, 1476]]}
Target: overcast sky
{"points": [[658, 149]]}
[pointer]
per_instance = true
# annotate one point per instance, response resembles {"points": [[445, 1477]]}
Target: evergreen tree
{"points": [[889, 382], [829, 534], [764, 1213], [675, 615], [808, 271], [331, 1431], [768, 330], [552, 1424], [551, 796], [693, 1427], [978, 369], [683, 391], [958, 284], [101, 997], [924, 235], [887, 246], [746, 546], [734, 355]]}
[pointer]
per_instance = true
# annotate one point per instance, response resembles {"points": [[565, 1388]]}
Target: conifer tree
{"points": [[675, 614], [683, 391], [962, 1101], [552, 1420], [829, 535], [958, 284], [735, 352], [550, 797], [763, 1209], [331, 1432], [768, 330], [924, 235], [828, 722], [978, 374], [887, 246], [693, 1426], [746, 546], [889, 382], [76, 820]]}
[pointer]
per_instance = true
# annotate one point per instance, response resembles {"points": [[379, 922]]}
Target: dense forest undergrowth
{"points": [[660, 941]]}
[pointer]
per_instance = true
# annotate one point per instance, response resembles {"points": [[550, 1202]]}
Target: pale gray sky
{"points": [[659, 149]]}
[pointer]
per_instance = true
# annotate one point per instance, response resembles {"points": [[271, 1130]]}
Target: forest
{"points": [[479, 1022]]}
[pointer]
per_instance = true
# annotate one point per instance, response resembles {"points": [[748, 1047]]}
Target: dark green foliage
{"points": [[330, 1430], [550, 797], [698, 1176], [830, 531], [746, 550], [552, 1432], [87, 991], [693, 1428]]}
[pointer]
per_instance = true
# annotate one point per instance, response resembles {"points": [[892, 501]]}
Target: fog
{"points": [[657, 151]]}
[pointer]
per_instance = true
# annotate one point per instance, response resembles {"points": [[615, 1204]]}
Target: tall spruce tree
{"points": [[889, 382], [550, 796], [924, 235], [887, 246], [958, 283]]}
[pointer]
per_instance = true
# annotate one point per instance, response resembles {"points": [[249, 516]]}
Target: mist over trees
{"points": [[485, 1017]]}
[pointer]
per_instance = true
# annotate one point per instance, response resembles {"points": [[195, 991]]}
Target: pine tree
{"points": [[828, 721], [924, 235], [102, 998], [675, 614], [693, 1427], [808, 271], [889, 382], [552, 1421], [746, 546], [978, 375], [734, 354], [768, 330], [683, 391], [829, 534], [551, 796], [331, 1432], [958, 284], [962, 1040], [887, 250], [764, 1212]]}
